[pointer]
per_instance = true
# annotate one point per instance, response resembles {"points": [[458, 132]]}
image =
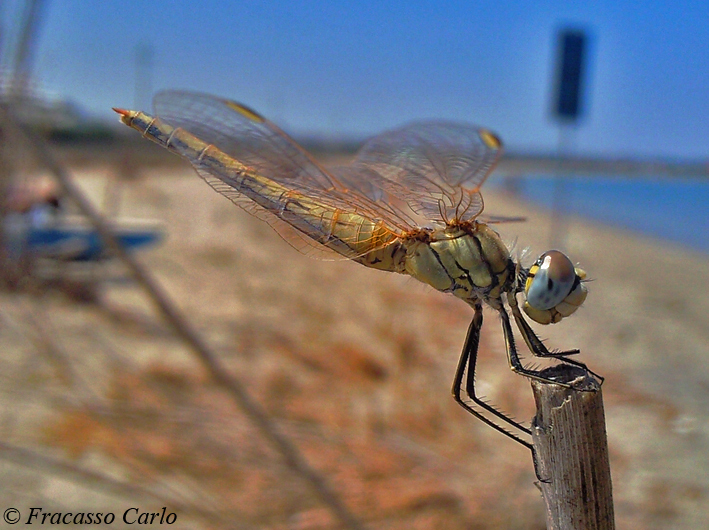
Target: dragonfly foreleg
{"points": [[468, 358], [535, 345]]}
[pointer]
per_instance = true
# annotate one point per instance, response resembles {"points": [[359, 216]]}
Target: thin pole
{"points": [[570, 444], [144, 59], [25, 48], [561, 195]]}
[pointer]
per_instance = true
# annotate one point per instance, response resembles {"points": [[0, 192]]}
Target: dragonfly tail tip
{"points": [[126, 116]]}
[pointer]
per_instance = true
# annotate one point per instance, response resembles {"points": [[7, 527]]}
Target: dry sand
{"points": [[355, 365]]}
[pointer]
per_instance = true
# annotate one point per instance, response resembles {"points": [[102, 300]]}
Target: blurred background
{"points": [[104, 405]]}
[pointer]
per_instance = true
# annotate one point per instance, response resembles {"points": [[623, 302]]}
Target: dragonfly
{"points": [[408, 203]]}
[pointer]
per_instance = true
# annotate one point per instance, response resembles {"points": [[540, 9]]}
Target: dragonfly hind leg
{"points": [[466, 369]]}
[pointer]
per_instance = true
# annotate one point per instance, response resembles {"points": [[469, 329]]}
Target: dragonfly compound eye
{"points": [[553, 288]]}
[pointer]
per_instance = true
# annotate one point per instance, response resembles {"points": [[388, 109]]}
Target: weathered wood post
{"points": [[569, 437]]}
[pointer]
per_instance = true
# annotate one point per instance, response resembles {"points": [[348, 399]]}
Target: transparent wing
{"points": [[264, 147], [421, 174], [435, 168], [244, 135]]}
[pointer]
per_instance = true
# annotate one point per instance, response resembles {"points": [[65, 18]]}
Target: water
{"points": [[671, 209]]}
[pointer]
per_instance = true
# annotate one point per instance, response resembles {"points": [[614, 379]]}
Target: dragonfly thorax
{"points": [[469, 261]]}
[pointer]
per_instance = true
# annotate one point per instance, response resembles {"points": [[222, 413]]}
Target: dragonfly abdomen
{"points": [[347, 233]]}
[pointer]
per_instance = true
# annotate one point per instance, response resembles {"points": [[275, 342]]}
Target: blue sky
{"points": [[356, 68]]}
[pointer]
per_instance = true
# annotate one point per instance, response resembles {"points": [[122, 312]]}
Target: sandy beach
{"points": [[354, 365]]}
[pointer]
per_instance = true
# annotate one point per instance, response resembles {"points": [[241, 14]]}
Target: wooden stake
{"points": [[569, 437]]}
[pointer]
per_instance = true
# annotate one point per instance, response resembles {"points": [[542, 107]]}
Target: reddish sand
{"points": [[355, 366]]}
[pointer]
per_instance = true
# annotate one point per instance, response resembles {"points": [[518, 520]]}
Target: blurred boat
{"points": [[69, 238], [73, 239]]}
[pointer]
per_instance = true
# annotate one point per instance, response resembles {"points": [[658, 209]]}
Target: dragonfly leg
{"points": [[468, 358], [535, 345]]}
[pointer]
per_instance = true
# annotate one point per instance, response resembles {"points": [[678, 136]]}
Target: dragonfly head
{"points": [[553, 288]]}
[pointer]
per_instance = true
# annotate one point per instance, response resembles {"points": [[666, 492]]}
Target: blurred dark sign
{"points": [[570, 74]]}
